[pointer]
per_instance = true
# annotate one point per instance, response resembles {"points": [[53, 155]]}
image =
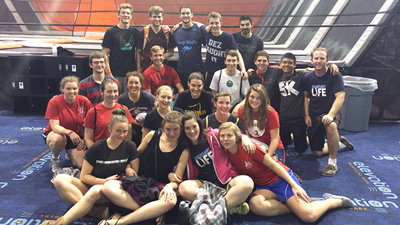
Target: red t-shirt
{"points": [[103, 116], [153, 79], [263, 135], [70, 116], [252, 165]]}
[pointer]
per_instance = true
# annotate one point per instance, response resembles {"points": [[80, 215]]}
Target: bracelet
{"points": [[107, 179], [69, 134], [306, 115]]}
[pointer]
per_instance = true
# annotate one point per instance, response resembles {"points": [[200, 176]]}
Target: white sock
{"points": [[53, 157], [332, 161], [341, 145]]}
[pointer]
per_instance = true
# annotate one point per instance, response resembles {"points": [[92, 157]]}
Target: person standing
{"points": [[119, 45], [249, 43], [189, 39]]}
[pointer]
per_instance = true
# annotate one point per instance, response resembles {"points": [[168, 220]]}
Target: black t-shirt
{"points": [[107, 162], [166, 161], [248, 47], [122, 44], [270, 82], [214, 123], [292, 95], [153, 120], [202, 106], [202, 157], [143, 105]]}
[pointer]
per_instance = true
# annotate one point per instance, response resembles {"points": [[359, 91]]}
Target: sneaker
{"points": [[55, 164], [67, 156], [329, 170], [241, 209], [346, 202], [346, 142]]}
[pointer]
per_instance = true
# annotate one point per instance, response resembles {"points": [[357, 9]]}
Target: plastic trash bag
{"points": [[360, 83]]}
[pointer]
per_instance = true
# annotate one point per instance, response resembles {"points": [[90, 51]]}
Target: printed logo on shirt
{"points": [[318, 90], [126, 45], [247, 48], [186, 49], [287, 88], [213, 49], [229, 83], [196, 108], [248, 165], [254, 131], [110, 162], [204, 158]]}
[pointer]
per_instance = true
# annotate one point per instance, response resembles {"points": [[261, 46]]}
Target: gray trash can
{"points": [[357, 104]]}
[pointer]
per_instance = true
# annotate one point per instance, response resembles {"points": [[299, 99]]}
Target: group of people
{"points": [[228, 136]]}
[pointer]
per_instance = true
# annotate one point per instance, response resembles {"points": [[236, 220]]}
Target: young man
{"points": [[230, 79], [90, 86], [249, 43], [323, 98], [159, 74], [151, 35], [218, 43], [119, 44], [189, 39]]}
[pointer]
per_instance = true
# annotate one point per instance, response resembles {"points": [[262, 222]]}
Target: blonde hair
{"points": [[233, 127], [67, 79], [155, 49], [214, 15], [124, 6], [160, 89], [156, 10], [319, 49]]}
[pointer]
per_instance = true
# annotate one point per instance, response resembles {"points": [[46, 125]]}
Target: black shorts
{"points": [[317, 132], [298, 127], [70, 145]]}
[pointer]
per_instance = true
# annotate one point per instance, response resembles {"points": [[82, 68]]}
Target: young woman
{"points": [[260, 119], [66, 113], [154, 118], [160, 153], [222, 104], [208, 161], [97, 119], [138, 101], [104, 162], [278, 192], [195, 99]]}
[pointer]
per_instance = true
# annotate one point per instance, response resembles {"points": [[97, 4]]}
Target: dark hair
{"points": [[185, 7], [119, 116], [233, 53], [289, 55], [105, 82], [220, 94], [261, 53], [202, 136], [263, 109], [134, 74], [196, 76], [245, 17], [156, 10], [96, 55]]}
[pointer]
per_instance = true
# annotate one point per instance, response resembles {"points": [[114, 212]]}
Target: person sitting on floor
{"points": [[104, 162], [98, 117], [66, 113], [278, 192]]}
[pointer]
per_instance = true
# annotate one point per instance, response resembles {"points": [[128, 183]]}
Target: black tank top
{"points": [[166, 161]]}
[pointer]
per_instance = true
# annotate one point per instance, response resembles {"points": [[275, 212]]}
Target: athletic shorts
{"points": [[70, 145], [281, 188], [317, 132]]}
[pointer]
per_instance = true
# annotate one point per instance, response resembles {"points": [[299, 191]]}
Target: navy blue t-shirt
{"points": [[214, 123], [202, 157], [153, 119]]}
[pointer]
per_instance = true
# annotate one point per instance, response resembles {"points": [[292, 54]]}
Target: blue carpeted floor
{"points": [[368, 175]]}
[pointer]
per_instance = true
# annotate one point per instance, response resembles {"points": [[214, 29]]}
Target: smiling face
{"points": [[134, 85], [319, 60], [245, 27], [156, 19], [70, 91], [124, 16], [261, 63], [215, 25], [98, 65], [164, 99], [287, 65], [110, 93], [157, 57], [186, 15], [223, 104], [195, 88], [119, 131], [172, 130], [192, 130], [227, 138], [231, 62], [254, 100]]}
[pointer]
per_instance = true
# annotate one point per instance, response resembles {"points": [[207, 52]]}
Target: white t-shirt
{"points": [[230, 84]]}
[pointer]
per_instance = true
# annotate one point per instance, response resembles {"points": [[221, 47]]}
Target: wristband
{"points": [[306, 115], [107, 179], [69, 134], [108, 73]]}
